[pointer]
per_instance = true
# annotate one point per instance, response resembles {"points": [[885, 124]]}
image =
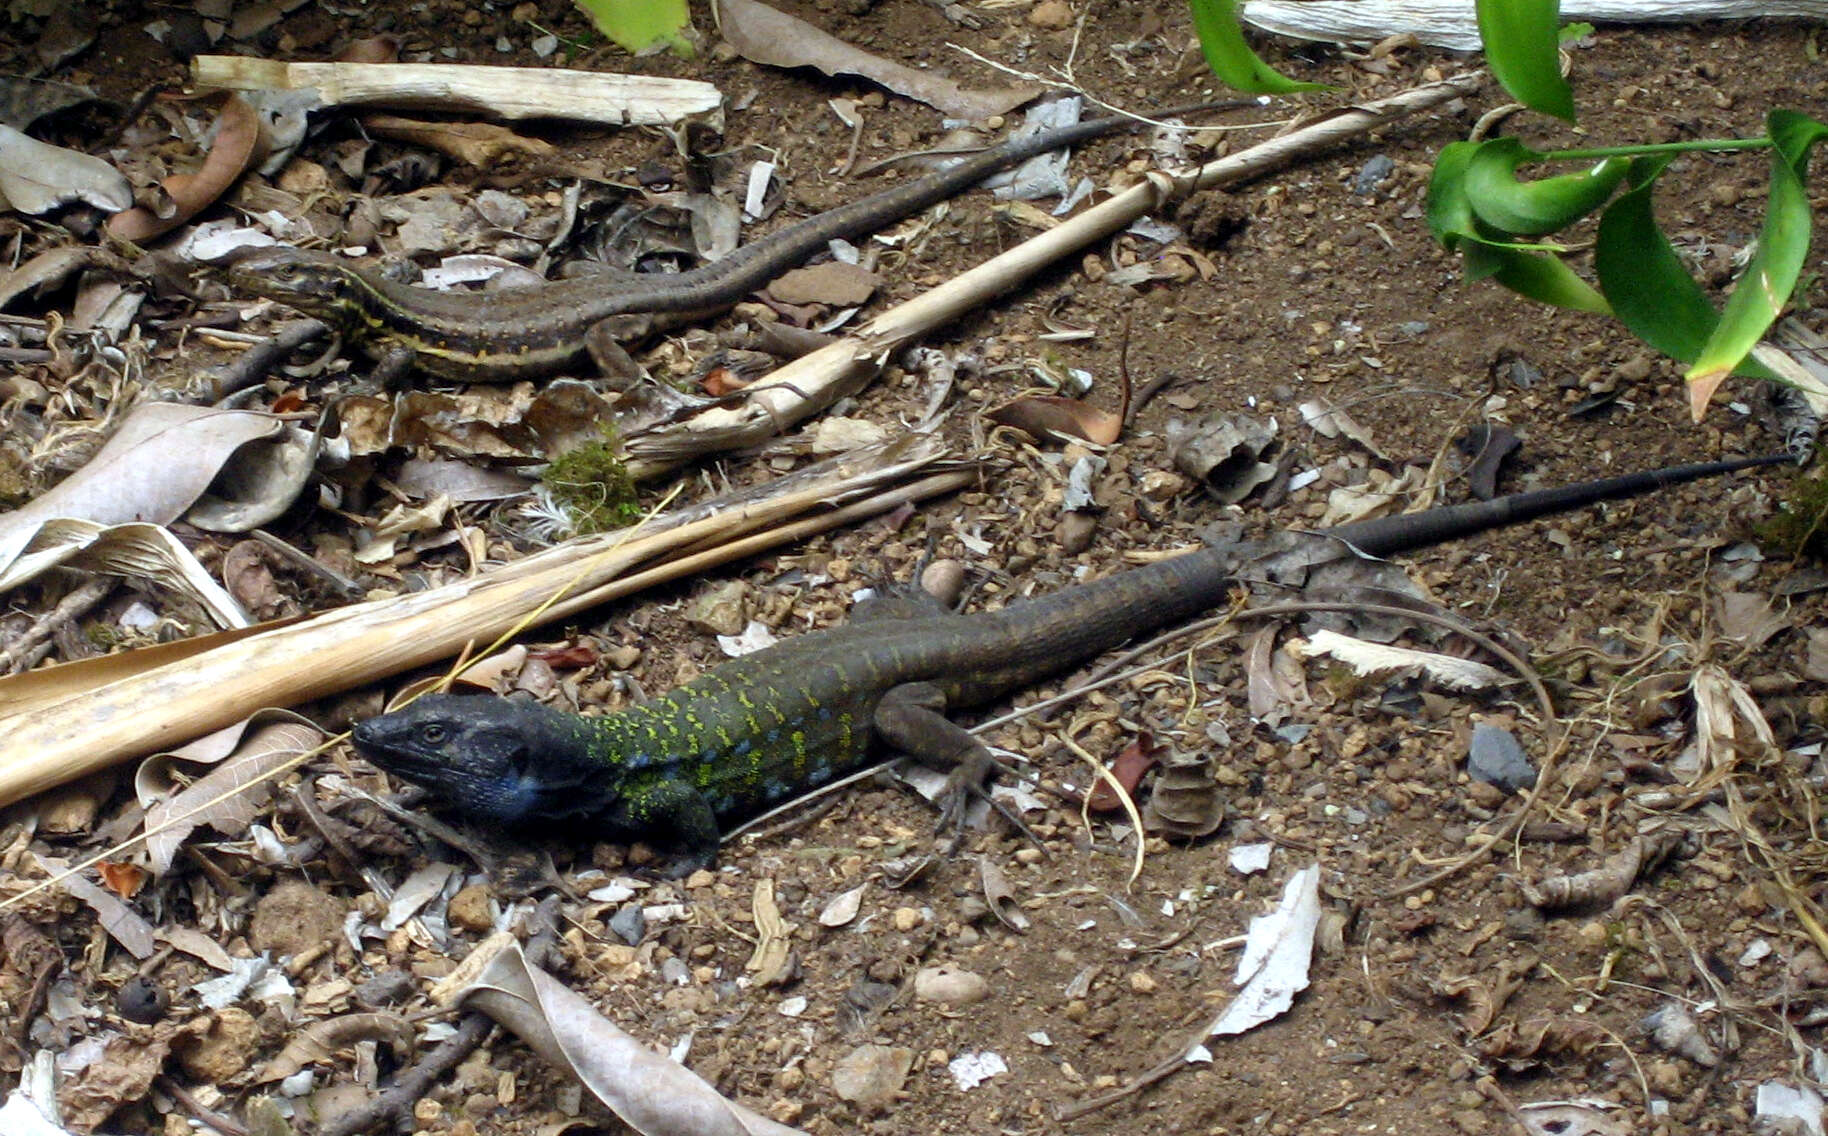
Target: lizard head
{"points": [[495, 759], [315, 283]]}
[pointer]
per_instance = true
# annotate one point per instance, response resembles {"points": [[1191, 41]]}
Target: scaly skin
{"points": [[529, 333], [782, 721]]}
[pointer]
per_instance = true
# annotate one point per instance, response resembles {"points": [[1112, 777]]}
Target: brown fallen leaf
{"points": [[1127, 769], [834, 283], [321, 1040], [124, 880], [484, 145], [237, 146], [764, 35], [1054, 416], [651, 1093], [223, 799]]}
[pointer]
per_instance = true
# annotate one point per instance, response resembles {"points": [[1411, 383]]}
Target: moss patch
{"points": [[592, 485], [1799, 528]]}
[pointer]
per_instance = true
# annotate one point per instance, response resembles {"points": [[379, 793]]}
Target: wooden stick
{"points": [[809, 384], [501, 92]]}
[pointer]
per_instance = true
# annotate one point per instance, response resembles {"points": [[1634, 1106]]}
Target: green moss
{"points": [[593, 486], [1799, 528], [15, 485]]}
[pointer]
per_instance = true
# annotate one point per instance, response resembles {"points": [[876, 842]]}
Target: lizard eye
{"points": [[433, 733]]}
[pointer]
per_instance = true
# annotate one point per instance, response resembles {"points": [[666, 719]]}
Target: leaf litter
{"points": [[1358, 769]]}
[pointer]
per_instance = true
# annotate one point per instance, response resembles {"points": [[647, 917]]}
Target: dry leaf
{"points": [[653, 1094], [1127, 769], [236, 147], [480, 144], [833, 283], [1378, 658], [158, 462], [320, 1041], [126, 926], [223, 799], [37, 177], [1054, 416], [770, 37]]}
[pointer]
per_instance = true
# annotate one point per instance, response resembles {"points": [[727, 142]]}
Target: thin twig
{"points": [[72, 607]]}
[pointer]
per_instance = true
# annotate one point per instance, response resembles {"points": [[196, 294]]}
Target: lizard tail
{"points": [[1387, 535]]}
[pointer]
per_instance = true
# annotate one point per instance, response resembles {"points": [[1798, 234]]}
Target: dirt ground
{"points": [[1441, 1010]]}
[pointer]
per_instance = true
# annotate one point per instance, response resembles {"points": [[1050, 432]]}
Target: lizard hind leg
{"points": [[912, 718]]}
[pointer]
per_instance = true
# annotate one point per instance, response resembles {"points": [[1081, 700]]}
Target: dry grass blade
{"points": [[64, 725]]}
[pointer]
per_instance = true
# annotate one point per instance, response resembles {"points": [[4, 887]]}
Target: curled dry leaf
{"points": [[1186, 801], [248, 576], [1572, 1118], [156, 465], [764, 35], [1524, 1044], [906, 870], [999, 896], [1728, 722], [1329, 421], [51, 269], [257, 483], [121, 1070], [36, 177], [653, 1094], [1377, 497], [320, 1041], [1748, 619], [772, 960], [1224, 453], [237, 146], [1608, 882], [1060, 418], [484, 145]]}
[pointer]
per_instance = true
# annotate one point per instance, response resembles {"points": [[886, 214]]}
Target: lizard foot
{"points": [[971, 779]]}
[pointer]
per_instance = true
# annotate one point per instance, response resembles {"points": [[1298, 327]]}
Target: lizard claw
{"points": [[970, 780]]}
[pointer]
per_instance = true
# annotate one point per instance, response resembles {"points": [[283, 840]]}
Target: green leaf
{"points": [[1532, 271], [1540, 276], [1521, 39], [1762, 291], [1450, 213], [1648, 286], [1231, 59], [639, 25], [1534, 207]]}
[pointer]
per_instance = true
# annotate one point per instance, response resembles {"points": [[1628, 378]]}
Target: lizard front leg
{"points": [[604, 341], [675, 808]]}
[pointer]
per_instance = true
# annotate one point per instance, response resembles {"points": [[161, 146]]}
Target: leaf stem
{"points": [[1656, 148]]}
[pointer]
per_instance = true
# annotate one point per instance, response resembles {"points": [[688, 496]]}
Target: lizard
{"points": [[787, 719], [542, 330]]}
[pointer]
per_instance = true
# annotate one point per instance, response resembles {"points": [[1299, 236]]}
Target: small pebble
{"points": [[950, 986], [1052, 15]]}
